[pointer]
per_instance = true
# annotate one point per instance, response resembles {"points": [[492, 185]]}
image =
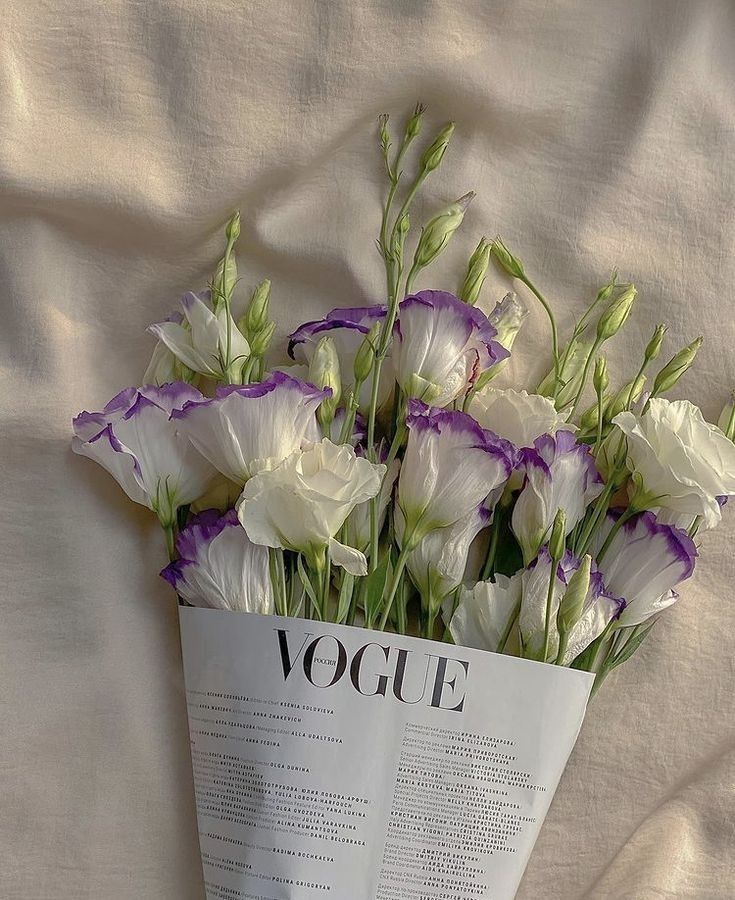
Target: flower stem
{"points": [[549, 601], [169, 533], [583, 381], [395, 582], [554, 331]]}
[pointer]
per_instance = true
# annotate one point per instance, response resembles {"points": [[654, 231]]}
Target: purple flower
{"points": [[248, 428], [220, 567], [645, 561], [441, 346], [134, 438], [558, 474], [450, 467]]}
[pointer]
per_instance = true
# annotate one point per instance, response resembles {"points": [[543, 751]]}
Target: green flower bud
{"points": [[616, 315], [232, 230], [476, 273], [399, 238], [726, 422], [413, 126], [439, 230], [261, 340], [511, 264], [588, 419], [434, 154], [676, 367], [383, 131], [324, 372], [601, 378], [365, 356], [222, 287], [605, 292], [557, 541], [628, 394], [256, 316], [654, 345], [572, 603]]}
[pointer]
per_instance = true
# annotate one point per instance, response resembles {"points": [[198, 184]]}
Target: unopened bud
{"points": [[224, 285], [434, 154], [399, 239], [601, 378], [324, 372], [511, 264], [676, 367], [507, 317], [589, 419], [257, 312], [383, 131], [557, 541], [726, 422], [439, 230], [629, 394], [365, 356], [261, 340], [572, 603], [476, 273], [232, 229], [654, 345], [413, 126], [605, 292], [616, 315]]}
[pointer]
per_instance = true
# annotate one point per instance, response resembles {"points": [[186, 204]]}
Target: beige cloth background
{"points": [[595, 135]]}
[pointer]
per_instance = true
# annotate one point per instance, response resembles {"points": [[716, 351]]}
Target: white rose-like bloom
{"points": [[303, 503], [484, 614], [517, 416], [682, 459]]}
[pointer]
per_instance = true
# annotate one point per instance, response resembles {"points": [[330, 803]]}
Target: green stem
{"points": [[549, 601], [395, 581], [169, 533], [492, 552], [507, 631], [585, 374], [554, 332], [622, 519]]}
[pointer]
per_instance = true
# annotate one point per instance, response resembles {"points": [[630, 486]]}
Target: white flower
{"points": [[247, 428], [437, 564], [134, 438], [685, 462], [220, 567], [212, 345], [302, 504], [485, 614], [357, 526], [517, 416], [559, 474]]}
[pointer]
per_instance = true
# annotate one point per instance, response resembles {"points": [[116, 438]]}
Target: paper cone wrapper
{"points": [[338, 763]]}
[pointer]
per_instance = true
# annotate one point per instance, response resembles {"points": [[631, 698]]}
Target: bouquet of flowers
{"points": [[385, 476]]}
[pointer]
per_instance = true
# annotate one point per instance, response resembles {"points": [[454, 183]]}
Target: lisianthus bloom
{"points": [[441, 346], [247, 428], [347, 326], [303, 503], [507, 317], [558, 474], [357, 526], [450, 467], [211, 345], [220, 567], [437, 564], [643, 564], [135, 439], [510, 613], [164, 366], [684, 461], [517, 416]]}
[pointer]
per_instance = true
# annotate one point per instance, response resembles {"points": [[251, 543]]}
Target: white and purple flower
{"points": [[559, 473], [441, 346], [135, 439], [220, 567], [450, 467], [249, 428], [643, 563]]}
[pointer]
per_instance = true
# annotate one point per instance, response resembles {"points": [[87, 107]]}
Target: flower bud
{"points": [[434, 154], [616, 315], [476, 272], [572, 603], [557, 541], [589, 419], [654, 345], [383, 131], [222, 287], [413, 126], [439, 230], [232, 230], [399, 239], [511, 264], [601, 378], [256, 316], [324, 372], [506, 318], [261, 340], [676, 367], [726, 422], [629, 394], [365, 356]]}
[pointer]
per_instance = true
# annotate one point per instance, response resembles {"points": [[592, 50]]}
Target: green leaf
{"points": [[374, 590], [345, 597], [630, 646]]}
